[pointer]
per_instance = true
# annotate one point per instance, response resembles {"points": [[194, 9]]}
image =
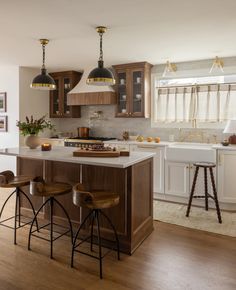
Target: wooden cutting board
{"points": [[88, 153]]}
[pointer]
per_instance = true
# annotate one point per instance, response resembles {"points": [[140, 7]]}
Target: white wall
{"points": [[32, 102], [9, 82], [21, 101]]}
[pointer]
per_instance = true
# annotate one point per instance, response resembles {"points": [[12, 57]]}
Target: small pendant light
{"points": [[217, 65], [170, 70], [101, 76], [43, 81]]}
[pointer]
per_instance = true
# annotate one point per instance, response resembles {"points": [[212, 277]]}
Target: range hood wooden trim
{"points": [[94, 98]]}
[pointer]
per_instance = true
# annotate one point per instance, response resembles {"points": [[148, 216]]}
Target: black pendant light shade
{"points": [[101, 76], [43, 81]]}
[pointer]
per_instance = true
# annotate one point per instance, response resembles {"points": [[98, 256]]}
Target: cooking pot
{"points": [[83, 132]]}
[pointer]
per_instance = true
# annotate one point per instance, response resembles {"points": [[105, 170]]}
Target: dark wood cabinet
{"points": [[65, 81], [133, 88]]}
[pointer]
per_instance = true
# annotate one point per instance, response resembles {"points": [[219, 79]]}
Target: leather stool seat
{"points": [[95, 200], [9, 180], [38, 187], [41, 188]]}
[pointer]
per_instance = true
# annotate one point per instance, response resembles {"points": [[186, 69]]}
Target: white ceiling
{"points": [[151, 30]]}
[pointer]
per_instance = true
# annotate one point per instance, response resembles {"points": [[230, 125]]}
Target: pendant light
{"points": [[217, 65], [169, 70], [101, 76], [43, 81]]}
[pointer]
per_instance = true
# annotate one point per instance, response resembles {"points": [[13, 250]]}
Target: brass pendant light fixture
{"points": [[43, 81], [170, 69], [217, 65], [101, 76]]}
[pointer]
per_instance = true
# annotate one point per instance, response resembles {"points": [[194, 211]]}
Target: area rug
{"points": [[199, 218]]}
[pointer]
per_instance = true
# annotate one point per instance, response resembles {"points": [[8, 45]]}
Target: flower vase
{"points": [[32, 141]]}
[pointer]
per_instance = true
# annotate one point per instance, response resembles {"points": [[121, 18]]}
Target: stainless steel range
{"points": [[85, 142]]}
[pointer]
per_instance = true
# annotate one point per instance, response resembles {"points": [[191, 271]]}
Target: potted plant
{"points": [[31, 128]]}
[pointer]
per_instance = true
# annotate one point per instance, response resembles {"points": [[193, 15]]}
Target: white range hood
{"points": [[83, 94]]}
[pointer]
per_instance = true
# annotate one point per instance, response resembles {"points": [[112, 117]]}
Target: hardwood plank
{"points": [[171, 258]]}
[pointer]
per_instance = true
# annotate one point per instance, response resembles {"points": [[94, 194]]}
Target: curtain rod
{"points": [[197, 85]]}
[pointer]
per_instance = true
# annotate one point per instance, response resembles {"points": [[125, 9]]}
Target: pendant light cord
{"points": [[43, 47], [101, 52]]}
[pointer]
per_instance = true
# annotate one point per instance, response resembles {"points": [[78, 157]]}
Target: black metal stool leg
{"points": [[19, 209], [192, 191], [115, 232], [215, 196], [34, 220], [51, 226], [31, 204], [68, 218], [206, 188], [99, 242], [76, 236], [5, 202], [91, 233], [15, 218]]}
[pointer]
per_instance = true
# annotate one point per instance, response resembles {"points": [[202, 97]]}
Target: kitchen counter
{"points": [[221, 147], [130, 177], [121, 142], [65, 154]]}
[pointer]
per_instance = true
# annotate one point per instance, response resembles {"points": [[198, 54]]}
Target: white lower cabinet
{"points": [[158, 164], [179, 179], [226, 176]]}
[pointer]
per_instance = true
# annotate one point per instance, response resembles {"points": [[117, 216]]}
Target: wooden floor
{"points": [[171, 258]]}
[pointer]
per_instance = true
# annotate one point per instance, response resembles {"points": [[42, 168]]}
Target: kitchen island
{"points": [[131, 177]]}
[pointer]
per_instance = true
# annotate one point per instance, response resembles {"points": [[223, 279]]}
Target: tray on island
{"points": [[99, 153]]}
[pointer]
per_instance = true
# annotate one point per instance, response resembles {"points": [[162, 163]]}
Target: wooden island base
{"points": [[133, 217]]}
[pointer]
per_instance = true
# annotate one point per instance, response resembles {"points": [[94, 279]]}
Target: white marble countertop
{"points": [[65, 154], [162, 143], [221, 147]]}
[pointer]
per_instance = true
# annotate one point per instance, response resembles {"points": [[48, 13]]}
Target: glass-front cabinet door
{"points": [[137, 92], [65, 82], [55, 100], [133, 88], [122, 94], [66, 88]]}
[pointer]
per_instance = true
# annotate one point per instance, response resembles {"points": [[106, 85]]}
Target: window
{"points": [[194, 101]]}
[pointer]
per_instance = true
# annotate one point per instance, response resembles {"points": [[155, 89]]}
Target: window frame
{"points": [[155, 78]]}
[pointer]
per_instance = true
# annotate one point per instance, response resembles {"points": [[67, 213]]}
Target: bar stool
{"points": [[95, 201], [210, 166], [38, 187], [8, 180]]}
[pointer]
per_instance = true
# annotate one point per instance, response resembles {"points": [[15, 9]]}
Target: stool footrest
{"points": [[93, 256], [13, 217], [203, 196], [44, 226]]}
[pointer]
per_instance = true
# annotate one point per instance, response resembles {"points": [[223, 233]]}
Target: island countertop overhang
{"points": [[65, 154]]}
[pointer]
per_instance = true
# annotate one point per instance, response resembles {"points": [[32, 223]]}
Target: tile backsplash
{"points": [[108, 126]]}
